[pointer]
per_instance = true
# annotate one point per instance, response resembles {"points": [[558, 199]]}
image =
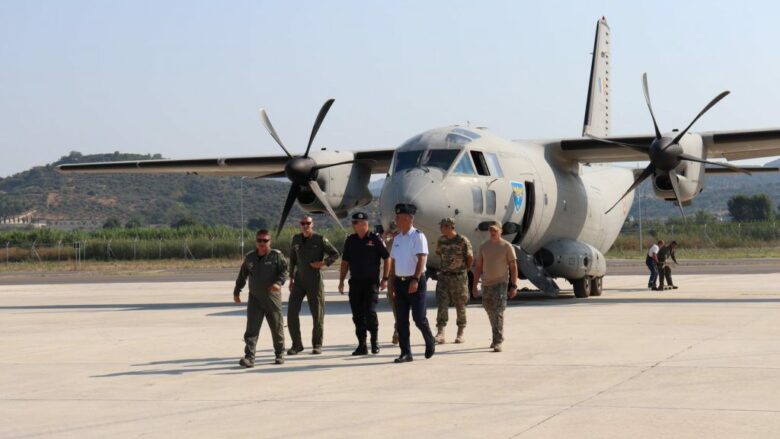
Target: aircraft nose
{"points": [[423, 188]]}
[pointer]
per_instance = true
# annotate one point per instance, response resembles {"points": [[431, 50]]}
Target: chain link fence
{"points": [[700, 236]]}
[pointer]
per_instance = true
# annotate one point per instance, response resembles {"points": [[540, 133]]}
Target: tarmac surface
{"points": [[160, 360]]}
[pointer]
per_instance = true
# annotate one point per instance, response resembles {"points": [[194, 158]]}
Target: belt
{"points": [[452, 273], [404, 278]]}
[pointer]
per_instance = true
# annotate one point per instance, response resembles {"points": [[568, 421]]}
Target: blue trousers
{"points": [[404, 302], [653, 271]]}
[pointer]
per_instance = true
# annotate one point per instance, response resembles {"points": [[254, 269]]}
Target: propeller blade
{"points": [[294, 189], [270, 128], [642, 149], [650, 107], [318, 122], [648, 171], [321, 196], [701, 113], [361, 161], [676, 188], [725, 165]]}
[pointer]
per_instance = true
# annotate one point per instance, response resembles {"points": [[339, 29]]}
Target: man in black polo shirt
{"points": [[362, 253]]}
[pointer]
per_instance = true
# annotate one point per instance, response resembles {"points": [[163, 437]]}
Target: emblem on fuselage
{"points": [[518, 193]]}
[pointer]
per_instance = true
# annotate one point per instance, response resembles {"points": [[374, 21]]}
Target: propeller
{"points": [[302, 170], [665, 153]]}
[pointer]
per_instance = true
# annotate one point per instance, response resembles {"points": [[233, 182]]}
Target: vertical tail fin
{"points": [[597, 107]]}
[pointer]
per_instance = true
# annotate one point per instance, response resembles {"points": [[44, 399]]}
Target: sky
{"points": [[186, 78]]}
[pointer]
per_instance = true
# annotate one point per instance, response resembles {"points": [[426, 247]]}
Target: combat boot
{"points": [[440, 335], [361, 350], [374, 343], [247, 362], [294, 350], [497, 347], [279, 359], [317, 350], [459, 338]]}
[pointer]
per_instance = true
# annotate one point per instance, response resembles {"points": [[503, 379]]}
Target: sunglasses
{"points": [[263, 241], [304, 223]]}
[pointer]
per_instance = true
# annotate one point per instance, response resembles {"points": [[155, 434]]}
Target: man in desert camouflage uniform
{"points": [[452, 288]]}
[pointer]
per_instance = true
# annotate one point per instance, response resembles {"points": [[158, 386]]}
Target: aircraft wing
{"points": [[266, 166], [731, 145]]}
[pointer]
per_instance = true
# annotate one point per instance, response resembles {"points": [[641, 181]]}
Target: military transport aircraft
{"points": [[562, 207]]}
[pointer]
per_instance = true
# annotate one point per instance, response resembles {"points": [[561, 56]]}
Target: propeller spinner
{"points": [[302, 170], [665, 153]]}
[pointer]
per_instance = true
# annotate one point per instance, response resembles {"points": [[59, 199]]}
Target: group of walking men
{"points": [[396, 261], [657, 261]]}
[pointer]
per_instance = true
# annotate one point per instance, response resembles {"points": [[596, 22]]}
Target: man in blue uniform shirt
{"points": [[409, 255], [363, 252]]}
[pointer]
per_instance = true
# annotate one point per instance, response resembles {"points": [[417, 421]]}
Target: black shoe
{"points": [[361, 350], [674, 287], [657, 289], [316, 350], [374, 347], [294, 350], [279, 359], [404, 358], [246, 362], [430, 349]]}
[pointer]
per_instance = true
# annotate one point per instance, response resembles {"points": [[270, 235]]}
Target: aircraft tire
{"points": [[596, 286], [582, 287]]}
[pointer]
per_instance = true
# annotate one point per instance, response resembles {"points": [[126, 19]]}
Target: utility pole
{"points": [[242, 215]]}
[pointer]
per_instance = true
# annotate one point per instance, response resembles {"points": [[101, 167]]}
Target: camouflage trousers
{"points": [[452, 289], [494, 302]]}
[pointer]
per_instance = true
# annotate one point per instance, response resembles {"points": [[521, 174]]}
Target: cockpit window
{"points": [[457, 139], [432, 158], [493, 165], [464, 166], [440, 158], [407, 160]]}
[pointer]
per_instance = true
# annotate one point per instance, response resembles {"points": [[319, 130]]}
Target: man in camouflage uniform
{"points": [[309, 253], [454, 251], [664, 269], [266, 270]]}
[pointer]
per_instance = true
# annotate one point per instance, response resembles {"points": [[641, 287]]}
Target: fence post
{"points": [[59, 249], [34, 252], [211, 238], [159, 242], [7, 252], [135, 243]]}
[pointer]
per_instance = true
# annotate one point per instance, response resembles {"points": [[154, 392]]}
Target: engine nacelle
{"points": [[572, 259], [345, 186], [690, 174]]}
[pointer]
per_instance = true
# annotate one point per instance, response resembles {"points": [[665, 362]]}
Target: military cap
{"points": [[495, 224], [409, 209], [447, 222], [359, 216]]}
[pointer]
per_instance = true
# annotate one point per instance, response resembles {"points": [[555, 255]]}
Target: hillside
{"points": [[163, 199], [151, 199]]}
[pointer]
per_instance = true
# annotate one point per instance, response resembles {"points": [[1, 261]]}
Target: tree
{"points": [[704, 217], [133, 223], [258, 223], [755, 208], [187, 221], [112, 223]]}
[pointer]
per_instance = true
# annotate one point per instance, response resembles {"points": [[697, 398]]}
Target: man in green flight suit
{"points": [[309, 253], [266, 270]]}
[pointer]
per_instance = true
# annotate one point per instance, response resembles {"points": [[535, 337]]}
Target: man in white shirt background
{"points": [[652, 263]]}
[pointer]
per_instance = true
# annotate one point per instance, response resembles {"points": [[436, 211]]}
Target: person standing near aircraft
{"points": [[363, 252], [409, 255], [266, 269], [452, 287], [388, 238], [309, 253], [496, 263], [652, 263], [664, 269]]}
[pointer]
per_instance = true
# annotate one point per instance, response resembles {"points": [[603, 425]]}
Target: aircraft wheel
{"points": [[582, 287], [595, 286]]}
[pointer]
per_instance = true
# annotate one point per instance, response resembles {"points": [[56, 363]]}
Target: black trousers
{"points": [[404, 302], [363, 297]]}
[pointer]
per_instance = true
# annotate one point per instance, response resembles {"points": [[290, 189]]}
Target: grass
{"points": [[119, 267]]}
